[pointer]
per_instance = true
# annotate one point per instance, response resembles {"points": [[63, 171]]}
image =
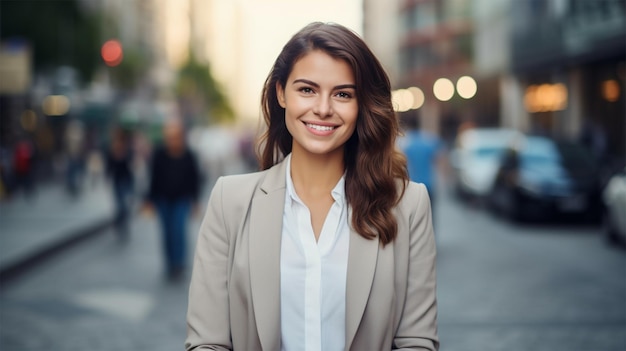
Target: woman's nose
{"points": [[323, 107]]}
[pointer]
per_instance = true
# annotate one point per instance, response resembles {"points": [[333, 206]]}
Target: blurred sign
{"points": [[15, 72]]}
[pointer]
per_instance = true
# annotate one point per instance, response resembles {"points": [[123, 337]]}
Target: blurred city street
{"points": [[501, 287], [505, 286], [118, 114]]}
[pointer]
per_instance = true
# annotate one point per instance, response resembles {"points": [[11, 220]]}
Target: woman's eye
{"points": [[344, 95], [306, 90]]}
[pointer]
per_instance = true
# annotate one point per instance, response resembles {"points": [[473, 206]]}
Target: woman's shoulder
{"points": [[240, 182], [414, 196], [234, 193]]}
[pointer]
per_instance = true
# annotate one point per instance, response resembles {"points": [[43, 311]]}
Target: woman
{"points": [[330, 247]]}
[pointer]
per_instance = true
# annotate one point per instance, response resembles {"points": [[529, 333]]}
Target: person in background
{"points": [[173, 192], [74, 144], [423, 152], [329, 247], [5, 173], [119, 169], [23, 164]]}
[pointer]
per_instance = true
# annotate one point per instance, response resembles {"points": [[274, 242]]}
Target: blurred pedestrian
{"points": [[6, 170], [119, 169], [173, 192], [74, 147], [423, 152], [23, 159], [330, 247]]}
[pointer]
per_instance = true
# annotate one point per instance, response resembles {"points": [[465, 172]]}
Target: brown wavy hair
{"points": [[372, 162]]}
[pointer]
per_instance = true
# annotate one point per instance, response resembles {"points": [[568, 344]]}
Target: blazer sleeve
{"points": [[418, 325], [208, 319]]}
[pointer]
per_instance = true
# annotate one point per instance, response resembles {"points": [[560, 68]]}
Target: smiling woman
{"points": [[329, 247]]}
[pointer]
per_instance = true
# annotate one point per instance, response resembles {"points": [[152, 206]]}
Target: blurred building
{"points": [[569, 61], [550, 67], [434, 41], [381, 33]]}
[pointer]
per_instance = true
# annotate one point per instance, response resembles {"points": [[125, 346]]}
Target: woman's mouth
{"points": [[320, 130]]}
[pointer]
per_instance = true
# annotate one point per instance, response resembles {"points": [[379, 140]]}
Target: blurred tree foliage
{"points": [[58, 31], [131, 70], [200, 96]]}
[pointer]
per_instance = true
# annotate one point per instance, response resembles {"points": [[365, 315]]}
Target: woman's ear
{"points": [[280, 95]]}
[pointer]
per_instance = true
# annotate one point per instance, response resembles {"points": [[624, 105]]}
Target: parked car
{"points": [[475, 159], [540, 177], [614, 219]]}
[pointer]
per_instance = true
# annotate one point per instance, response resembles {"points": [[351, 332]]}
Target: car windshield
{"points": [[488, 152], [543, 152]]}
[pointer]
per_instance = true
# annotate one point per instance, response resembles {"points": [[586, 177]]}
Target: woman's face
{"points": [[320, 104]]}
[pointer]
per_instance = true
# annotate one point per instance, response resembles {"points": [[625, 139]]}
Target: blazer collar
{"points": [[266, 220], [361, 267]]}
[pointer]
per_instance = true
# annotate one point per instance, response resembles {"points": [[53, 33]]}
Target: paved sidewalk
{"points": [[30, 227], [102, 295]]}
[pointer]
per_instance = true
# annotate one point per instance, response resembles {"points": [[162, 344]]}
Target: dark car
{"points": [[540, 177]]}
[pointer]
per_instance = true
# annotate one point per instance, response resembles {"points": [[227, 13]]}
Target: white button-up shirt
{"points": [[313, 274]]}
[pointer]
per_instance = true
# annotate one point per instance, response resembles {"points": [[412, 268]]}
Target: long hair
{"points": [[372, 162]]}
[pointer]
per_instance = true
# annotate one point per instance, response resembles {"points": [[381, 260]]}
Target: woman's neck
{"points": [[315, 175]]}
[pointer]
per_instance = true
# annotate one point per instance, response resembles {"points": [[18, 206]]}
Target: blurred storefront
{"points": [[569, 62]]}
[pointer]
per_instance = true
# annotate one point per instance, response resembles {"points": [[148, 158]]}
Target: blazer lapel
{"points": [[361, 267], [266, 219]]}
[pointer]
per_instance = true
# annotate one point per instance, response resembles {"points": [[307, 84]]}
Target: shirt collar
{"points": [[338, 193]]}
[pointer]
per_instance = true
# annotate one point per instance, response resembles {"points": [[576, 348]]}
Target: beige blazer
{"points": [[234, 300]]}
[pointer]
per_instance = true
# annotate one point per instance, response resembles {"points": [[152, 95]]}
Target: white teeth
{"points": [[320, 128]]}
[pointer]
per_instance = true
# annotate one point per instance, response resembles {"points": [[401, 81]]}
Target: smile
{"points": [[320, 128]]}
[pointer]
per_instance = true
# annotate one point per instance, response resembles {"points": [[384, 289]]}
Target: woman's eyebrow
{"points": [[306, 81]]}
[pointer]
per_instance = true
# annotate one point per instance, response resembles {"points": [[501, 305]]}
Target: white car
{"points": [[476, 157], [614, 196]]}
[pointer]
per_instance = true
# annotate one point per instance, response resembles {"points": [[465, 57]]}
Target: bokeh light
{"points": [[610, 90], [56, 105], [466, 87], [418, 97], [545, 97], [443, 89], [402, 100], [112, 52]]}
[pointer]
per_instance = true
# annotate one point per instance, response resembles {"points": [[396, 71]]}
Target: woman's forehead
{"points": [[320, 65]]}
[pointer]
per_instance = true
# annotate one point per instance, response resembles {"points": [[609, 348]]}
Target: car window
{"points": [[568, 155], [488, 152], [537, 151]]}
